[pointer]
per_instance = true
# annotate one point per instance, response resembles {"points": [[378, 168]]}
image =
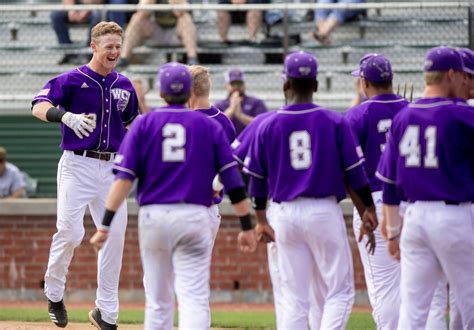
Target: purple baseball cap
{"points": [[376, 69], [356, 73], [300, 65], [174, 78], [234, 75], [468, 59], [443, 59]]}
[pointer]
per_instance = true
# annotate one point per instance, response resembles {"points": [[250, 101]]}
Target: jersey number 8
{"points": [[174, 139], [300, 150]]}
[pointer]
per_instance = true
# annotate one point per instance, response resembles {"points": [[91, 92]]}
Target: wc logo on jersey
{"points": [[122, 96]]}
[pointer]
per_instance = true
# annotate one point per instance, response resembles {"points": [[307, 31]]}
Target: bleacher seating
{"points": [[29, 53]]}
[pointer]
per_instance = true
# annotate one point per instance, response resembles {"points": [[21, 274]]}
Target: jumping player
{"points": [[94, 103], [301, 158], [175, 170], [370, 121], [429, 157]]}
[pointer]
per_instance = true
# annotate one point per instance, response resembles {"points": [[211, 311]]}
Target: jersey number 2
{"points": [[411, 149], [300, 150], [174, 139]]}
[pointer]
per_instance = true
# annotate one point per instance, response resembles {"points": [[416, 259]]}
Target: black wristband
{"points": [[259, 203], [237, 195], [107, 219], [246, 222], [55, 115], [365, 194]]}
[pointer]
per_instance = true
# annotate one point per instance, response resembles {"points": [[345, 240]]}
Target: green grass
{"points": [[221, 319]]}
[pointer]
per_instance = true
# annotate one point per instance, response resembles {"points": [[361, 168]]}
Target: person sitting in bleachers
{"points": [[12, 184], [327, 19], [61, 19], [164, 27], [253, 19]]}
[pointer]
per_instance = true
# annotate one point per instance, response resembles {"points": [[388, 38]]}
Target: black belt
{"points": [[96, 154]]}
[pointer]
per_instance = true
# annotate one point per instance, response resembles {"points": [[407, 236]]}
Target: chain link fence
{"points": [[31, 53]]}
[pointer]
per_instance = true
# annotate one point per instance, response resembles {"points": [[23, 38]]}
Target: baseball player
{"points": [[370, 122], [175, 170], [301, 158], [199, 101], [429, 157], [94, 104]]}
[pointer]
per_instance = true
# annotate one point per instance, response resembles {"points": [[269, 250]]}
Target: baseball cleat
{"points": [[57, 313], [96, 320]]}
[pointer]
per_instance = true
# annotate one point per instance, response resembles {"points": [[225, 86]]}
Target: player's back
{"points": [[370, 121], [180, 152], [307, 151], [435, 141]]}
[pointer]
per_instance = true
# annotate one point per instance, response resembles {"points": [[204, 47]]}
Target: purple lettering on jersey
{"points": [[250, 106], [111, 99], [175, 153], [305, 151], [370, 122], [430, 152], [242, 143], [222, 119]]}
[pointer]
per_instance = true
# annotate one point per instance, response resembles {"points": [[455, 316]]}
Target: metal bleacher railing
{"points": [[403, 31]]}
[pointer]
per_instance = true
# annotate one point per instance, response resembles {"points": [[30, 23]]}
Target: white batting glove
{"points": [[81, 124]]}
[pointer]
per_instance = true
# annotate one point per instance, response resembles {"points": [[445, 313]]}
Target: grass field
{"points": [[220, 319]]}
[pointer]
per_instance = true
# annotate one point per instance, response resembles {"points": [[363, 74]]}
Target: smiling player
{"points": [[94, 103]]}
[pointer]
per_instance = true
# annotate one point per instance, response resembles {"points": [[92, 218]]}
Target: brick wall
{"points": [[24, 248]]}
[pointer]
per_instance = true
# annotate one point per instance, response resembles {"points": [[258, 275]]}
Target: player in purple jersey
{"points": [[429, 156], [370, 122], [164, 149], [199, 101], [94, 104], [302, 158]]}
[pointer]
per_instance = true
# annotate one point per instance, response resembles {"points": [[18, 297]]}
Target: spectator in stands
{"points": [[238, 106], [12, 184], [164, 27], [327, 20], [61, 20], [253, 18]]}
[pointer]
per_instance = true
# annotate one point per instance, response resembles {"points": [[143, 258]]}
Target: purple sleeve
{"points": [[389, 194], [127, 161], [241, 144], [258, 187], [54, 92], [224, 161], [351, 157], [387, 167], [221, 105], [131, 111], [255, 163]]}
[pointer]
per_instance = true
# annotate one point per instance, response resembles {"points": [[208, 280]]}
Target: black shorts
{"points": [[238, 17]]}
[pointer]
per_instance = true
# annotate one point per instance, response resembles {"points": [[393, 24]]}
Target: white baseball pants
{"points": [[382, 274], [175, 245], [314, 258], [86, 182], [436, 239]]}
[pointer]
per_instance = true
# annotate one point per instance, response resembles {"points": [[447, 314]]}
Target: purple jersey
{"points": [[222, 119], [430, 152], [250, 106], [111, 99], [305, 151], [370, 122], [175, 153], [242, 143]]}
